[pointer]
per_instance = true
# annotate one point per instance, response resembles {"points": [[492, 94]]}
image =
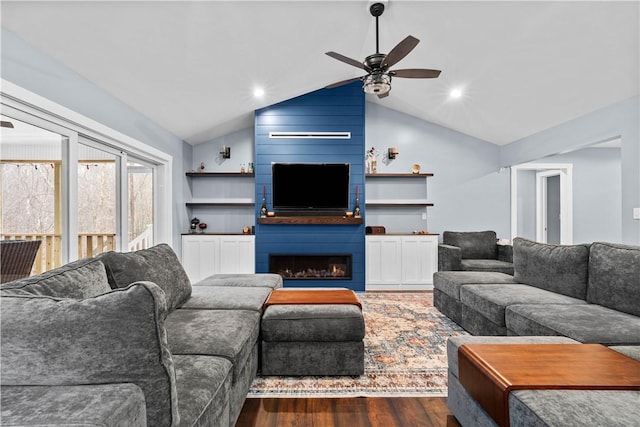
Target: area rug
{"points": [[405, 353]]}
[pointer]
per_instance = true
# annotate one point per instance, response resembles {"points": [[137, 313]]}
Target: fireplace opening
{"points": [[310, 267]]}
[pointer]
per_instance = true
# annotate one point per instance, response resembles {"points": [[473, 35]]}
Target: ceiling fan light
{"points": [[377, 84]]}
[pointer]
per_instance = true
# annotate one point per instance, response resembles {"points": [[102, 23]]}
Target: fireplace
{"points": [[311, 267]]}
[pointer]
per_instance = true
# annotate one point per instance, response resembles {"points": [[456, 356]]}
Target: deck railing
{"points": [[50, 253]]}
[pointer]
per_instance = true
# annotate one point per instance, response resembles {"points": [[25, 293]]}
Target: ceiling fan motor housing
{"points": [[376, 9]]}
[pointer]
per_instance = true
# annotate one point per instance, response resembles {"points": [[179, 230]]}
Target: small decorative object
{"points": [[225, 152], [202, 166], [392, 152], [415, 168], [349, 214], [250, 167], [356, 209], [271, 214], [194, 224], [203, 227], [372, 160], [246, 230], [263, 208], [242, 169]]}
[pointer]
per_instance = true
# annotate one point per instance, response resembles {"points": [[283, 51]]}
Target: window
{"points": [[116, 196]]}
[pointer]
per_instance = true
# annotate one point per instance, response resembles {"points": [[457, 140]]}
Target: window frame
{"points": [[32, 108]]}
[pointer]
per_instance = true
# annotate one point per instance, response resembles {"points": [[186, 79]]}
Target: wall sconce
{"points": [[393, 152], [225, 152]]}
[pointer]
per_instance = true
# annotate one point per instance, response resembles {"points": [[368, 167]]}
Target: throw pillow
{"points": [[80, 279], [158, 264]]}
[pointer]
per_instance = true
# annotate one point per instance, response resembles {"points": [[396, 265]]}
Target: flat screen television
{"points": [[310, 188]]}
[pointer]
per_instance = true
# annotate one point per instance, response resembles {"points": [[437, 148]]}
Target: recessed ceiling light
{"points": [[455, 93], [258, 92]]}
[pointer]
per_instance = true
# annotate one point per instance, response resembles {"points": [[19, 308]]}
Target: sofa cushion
{"points": [[474, 244], [313, 322], [117, 337], [611, 408], [227, 298], [450, 282], [204, 384], [158, 264], [80, 279], [487, 265], [231, 334], [587, 323], [267, 280], [77, 405], [614, 277], [492, 300], [557, 268]]}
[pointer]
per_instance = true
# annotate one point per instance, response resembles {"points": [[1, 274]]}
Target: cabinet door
{"points": [[237, 254], [383, 261], [419, 259], [200, 256]]}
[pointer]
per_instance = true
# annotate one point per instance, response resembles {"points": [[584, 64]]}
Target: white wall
{"points": [[621, 120], [468, 190]]}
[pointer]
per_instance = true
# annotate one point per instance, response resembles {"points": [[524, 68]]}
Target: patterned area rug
{"points": [[405, 353]]}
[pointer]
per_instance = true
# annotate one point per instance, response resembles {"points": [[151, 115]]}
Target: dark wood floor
{"points": [[347, 412]]}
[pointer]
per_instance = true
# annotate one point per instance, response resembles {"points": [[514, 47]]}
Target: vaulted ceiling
{"points": [[192, 66]]}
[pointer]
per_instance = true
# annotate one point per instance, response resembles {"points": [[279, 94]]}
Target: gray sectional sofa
{"points": [[590, 293], [124, 339], [559, 293]]}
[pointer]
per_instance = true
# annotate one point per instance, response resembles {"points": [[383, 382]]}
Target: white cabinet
{"points": [[401, 262], [207, 254], [383, 261]]}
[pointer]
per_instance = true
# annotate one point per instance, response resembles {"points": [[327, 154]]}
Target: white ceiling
{"points": [[191, 66]]}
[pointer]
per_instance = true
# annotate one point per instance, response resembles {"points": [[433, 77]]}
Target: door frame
{"points": [[542, 201], [565, 170]]}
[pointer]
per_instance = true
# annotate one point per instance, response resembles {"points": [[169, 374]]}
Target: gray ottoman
{"points": [[312, 339]]}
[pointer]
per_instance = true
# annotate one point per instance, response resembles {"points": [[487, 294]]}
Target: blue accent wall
{"points": [[326, 110]]}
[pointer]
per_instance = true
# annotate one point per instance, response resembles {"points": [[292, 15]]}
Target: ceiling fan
{"points": [[377, 81]]}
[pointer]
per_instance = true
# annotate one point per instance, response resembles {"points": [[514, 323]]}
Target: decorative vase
{"points": [[356, 210]]}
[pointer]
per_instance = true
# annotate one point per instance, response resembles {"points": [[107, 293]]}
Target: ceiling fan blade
{"points": [[401, 50], [415, 73], [6, 124], [348, 60], [383, 95], [343, 82]]}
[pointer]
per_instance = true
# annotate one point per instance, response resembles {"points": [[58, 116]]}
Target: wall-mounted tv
{"points": [[310, 188]]}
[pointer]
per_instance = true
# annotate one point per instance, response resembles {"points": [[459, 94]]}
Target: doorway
{"points": [[548, 207], [551, 200]]}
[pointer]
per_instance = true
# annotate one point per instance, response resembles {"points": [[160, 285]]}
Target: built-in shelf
{"points": [[398, 204], [220, 174], [398, 175], [202, 204], [305, 220]]}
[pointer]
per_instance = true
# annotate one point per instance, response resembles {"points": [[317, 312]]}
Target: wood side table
{"points": [[312, 296], [490, 371]]}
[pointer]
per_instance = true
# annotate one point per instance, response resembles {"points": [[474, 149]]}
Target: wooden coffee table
{"points": [[312, 296], [490, 371]]}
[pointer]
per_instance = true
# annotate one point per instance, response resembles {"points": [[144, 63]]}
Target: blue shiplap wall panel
{"points": [[326, 110]]}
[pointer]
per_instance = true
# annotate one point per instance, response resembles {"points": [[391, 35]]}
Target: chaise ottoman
{"points": [[312, 338]]}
